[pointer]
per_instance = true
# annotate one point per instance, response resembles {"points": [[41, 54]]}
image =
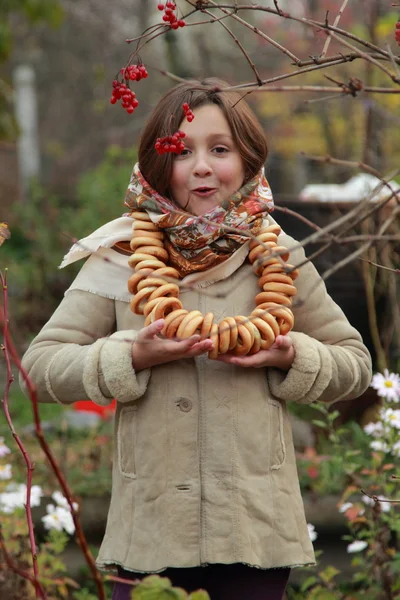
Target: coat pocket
{"points": [[126, 441], [277, 439]]}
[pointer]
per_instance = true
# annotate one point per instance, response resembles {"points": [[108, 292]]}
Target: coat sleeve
{"points": [[331, 362], [79, 356]]}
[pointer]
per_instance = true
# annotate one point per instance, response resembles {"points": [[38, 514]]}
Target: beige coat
{"points": [[204, 465]]}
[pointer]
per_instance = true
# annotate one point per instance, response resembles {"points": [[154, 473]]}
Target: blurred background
{"points": [[66, 153]]}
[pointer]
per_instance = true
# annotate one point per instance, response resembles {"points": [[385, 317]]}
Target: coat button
{"points": [[185, 404]]}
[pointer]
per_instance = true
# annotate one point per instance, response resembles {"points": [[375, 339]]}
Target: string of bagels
{"points": [[155, 293]]}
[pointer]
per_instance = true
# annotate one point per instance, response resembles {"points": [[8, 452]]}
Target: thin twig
{"points": [[335, 23], [39, 591]]}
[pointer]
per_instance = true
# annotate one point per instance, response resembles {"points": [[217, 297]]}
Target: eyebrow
{"points": [[213, 136]]}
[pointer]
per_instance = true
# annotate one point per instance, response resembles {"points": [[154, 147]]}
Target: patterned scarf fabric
{"points": [[199, 243]]}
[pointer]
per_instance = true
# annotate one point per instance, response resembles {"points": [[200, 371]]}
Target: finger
{"points": [[260, 359], [284, 342], [200, 348], [181, 347], [147, 333]]}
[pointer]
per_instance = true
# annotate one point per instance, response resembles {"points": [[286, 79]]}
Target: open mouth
{"points": [[204, 191]]}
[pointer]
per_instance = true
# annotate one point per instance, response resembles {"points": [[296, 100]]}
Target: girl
{"points": [[205, 487]]}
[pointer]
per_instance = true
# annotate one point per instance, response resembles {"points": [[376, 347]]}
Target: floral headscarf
{"points": [[197, 243]]}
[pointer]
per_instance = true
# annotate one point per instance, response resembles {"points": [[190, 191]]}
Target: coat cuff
{"points": [[309, 375], [109, 369]]}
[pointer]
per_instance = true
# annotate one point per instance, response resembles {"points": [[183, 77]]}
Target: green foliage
{"points": [[155, 587], [49, 11], [43, 229], [35, 11], [345, 464], [101, 192]]}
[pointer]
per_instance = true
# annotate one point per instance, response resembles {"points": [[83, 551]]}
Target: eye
{"points": [[185, 152], [220, 149]]}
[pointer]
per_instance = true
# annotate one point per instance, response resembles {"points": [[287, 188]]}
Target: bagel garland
{"points": [[156, 296]]}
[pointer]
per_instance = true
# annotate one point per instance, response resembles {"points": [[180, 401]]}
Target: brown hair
{"points": [[167, 116]]}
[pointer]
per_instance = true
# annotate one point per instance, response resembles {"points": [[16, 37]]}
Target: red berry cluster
{"points": [[121, 91], [169, 15], [170, 143], [134, 72], [397, 33], [188, 113]]}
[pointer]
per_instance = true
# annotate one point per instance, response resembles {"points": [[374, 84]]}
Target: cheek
{"points": [[178, 175], [231, 174]]}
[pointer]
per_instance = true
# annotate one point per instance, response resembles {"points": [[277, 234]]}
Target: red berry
{"points": [[165, 18], [113, 100], [174, 25], [160, 6], [181, 23], [130, 109]]}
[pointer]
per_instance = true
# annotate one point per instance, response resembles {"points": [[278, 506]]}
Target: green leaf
{"points": [[320, 423], [199, 595], [329, 573], [155, 587], [310, 581]]}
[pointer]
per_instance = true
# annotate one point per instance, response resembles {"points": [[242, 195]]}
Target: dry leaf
{"points": [[4, 233]]}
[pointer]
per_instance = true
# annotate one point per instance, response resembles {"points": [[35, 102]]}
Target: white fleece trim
{"points": [[91, 371], [48, 382], [116, 366], [309, 375]]}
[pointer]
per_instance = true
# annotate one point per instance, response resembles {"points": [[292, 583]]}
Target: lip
{"points": [[205, 193]]}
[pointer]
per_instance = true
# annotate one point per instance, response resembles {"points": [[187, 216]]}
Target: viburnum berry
{"points": [[188, 113], [170, 144], [169, 15], [134, 72], [397, 33], [122, 92]]}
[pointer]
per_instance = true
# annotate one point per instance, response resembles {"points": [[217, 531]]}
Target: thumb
{"points": [[151, 330], [284, 342]]}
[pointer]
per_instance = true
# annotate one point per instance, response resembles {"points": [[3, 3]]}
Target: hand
{"points": [[149, 349], [280, 355]]}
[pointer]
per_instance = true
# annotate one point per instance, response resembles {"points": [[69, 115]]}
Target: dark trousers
{"points": [[222, 582]]}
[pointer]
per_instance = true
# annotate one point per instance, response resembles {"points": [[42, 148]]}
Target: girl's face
{"points": [[210, 168]]}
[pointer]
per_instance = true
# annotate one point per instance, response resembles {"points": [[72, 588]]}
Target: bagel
{"points": [[213, 353], [206, 325], [143, 240]]}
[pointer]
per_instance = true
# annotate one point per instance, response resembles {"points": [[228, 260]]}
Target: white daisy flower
{"points": [[385, 506], [345, 507], [311, 532], [396, 449], [387, 385], [15, 497], [58, 518], [5, 472], [374, 429], [62, 501], [356, 546], [391, 417], [4, 450], [379, 446]]}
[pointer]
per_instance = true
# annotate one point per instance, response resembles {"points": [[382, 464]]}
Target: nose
{"points": [[202, 167]]}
